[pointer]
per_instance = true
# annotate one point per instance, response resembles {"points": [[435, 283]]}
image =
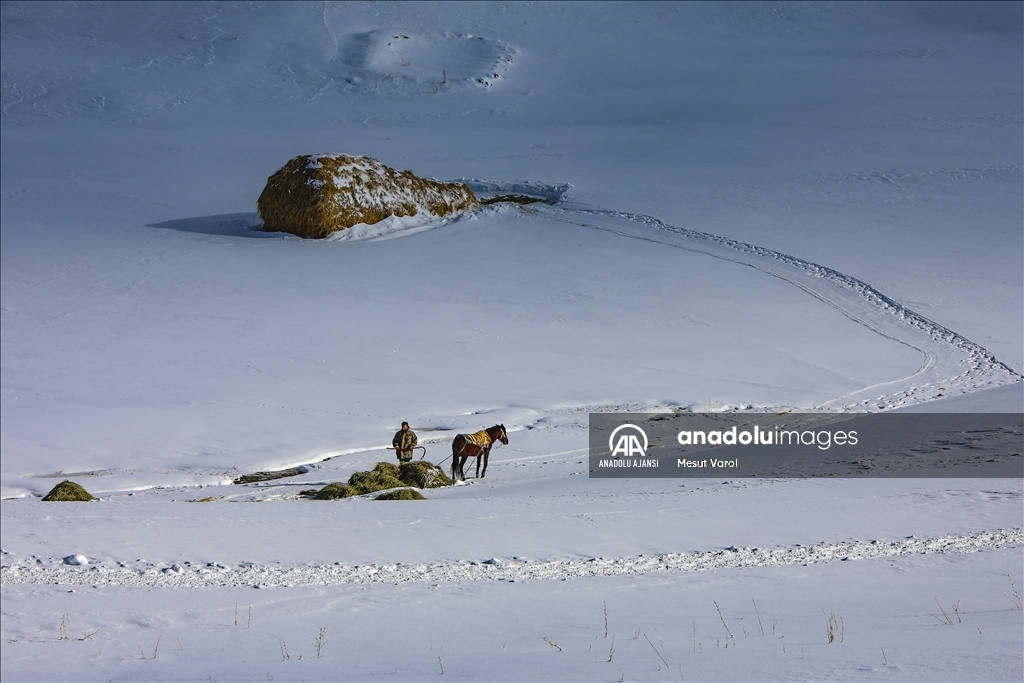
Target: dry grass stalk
{"points": [[314, 195], [835, 626], [723, 620], [1016, 599], [65, 626], [945, 617], [318, 644], [554, 645], [660, 655], [758, 613]]}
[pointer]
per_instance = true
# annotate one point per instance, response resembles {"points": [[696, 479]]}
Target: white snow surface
{"points": [[746, 207]]}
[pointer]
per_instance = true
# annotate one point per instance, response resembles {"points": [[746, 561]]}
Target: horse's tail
{"points": [[458, 444]]}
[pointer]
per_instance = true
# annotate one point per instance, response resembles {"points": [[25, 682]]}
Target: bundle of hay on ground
{"points": [[423, 475], [383, 476], [314, 195], [401, 494], [419, 473], [67, 490], [332, 491]]}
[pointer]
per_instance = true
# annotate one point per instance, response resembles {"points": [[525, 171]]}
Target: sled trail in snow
{"points": [[952, 364]]}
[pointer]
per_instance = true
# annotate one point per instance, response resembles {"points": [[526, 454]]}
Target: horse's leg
{"points": [[487, 453], [479, 456]]}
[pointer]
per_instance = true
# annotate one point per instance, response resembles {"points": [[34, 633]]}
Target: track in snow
{"points": [[261, 576], [951, 364]]}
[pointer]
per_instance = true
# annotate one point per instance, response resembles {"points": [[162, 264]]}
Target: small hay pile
{"points": [[383, 476], [423, 475], [314, 195], [401, 494], [332, 491], [419, 474], [67, 490]]}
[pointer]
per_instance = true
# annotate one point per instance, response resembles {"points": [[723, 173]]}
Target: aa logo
{"points": [[628, 442]]}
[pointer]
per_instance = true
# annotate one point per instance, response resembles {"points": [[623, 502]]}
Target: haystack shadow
{"points": [[228, 224]]}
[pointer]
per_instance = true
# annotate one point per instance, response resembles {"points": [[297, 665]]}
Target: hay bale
{"points": [[333, 491], [383, 476], [314, 195], [401, 494], [67, 490], [423, 474]]}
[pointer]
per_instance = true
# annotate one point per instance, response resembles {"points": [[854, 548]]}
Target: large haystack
{"points": [[314, 195]]}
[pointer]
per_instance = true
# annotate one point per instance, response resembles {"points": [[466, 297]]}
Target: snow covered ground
{"points": [[752, 207]]}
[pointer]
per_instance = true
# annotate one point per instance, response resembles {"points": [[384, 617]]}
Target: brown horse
{"points": [[463, 448]]}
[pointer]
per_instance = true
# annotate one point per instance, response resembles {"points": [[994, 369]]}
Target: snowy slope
{"points": [[753, 207]]}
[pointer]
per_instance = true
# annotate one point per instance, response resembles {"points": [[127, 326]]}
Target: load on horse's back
{"points": [[477, 445]]}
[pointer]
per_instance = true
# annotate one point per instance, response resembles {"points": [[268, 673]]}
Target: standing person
{"points": [[404, 441]]}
